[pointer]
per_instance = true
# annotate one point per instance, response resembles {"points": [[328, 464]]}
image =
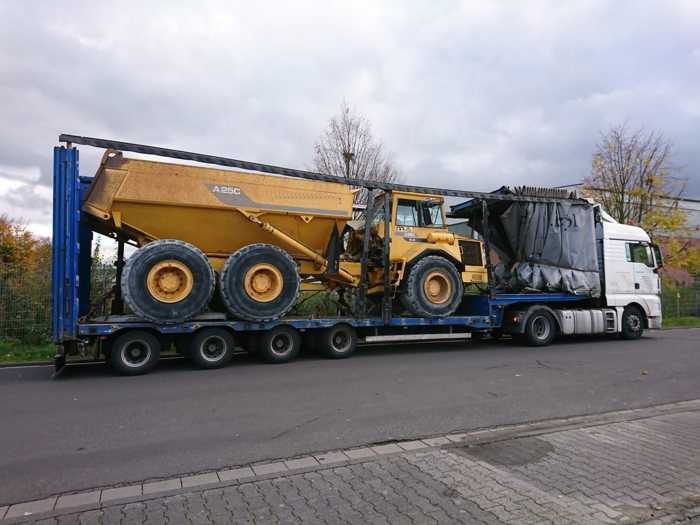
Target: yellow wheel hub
{"points": [[263, 282], [437, 287], [170, 281]]}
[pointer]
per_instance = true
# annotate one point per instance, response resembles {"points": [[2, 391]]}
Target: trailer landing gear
{"points": [[59, 361]]}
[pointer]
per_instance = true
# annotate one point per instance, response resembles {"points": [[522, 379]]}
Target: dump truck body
{"points": [[146, 201]]}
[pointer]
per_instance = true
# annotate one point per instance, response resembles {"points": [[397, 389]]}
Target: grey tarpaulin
{"points": [[542, 246]]}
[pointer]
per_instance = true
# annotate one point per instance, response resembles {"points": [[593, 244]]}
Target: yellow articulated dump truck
{"points": [[248, 242]]}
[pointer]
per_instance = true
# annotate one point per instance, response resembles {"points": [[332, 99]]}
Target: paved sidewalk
{"points": [[628, 467]]}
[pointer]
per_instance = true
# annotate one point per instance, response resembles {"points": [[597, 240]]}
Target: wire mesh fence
{"points": [[25, 300], [680, 300]]}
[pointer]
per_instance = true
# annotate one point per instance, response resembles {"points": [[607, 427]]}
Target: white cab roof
{"points": [[614, 230]]}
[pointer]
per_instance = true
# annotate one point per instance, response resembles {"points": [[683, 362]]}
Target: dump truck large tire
{"points": [[167, 281], [259, 282], [433, 288]]}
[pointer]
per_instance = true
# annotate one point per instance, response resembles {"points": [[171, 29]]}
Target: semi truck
{"points": [[221, 256]]}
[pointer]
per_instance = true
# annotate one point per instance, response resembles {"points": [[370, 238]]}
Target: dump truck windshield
{"points": [[432, 213], [407, 213]]}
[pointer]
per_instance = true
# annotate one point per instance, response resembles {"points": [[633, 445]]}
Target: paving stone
{"points": [[436, 441], [200, 479], [412, 445], [613, 473], [162, 486], [359, 453], [30, 507], [269, 468], [307, 462], [76, 500], [389, 448], [236, 473], [456, 438], [120, 492], [331, 457]]}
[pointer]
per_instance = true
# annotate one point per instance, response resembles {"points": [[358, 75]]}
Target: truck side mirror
{"points": [[658, 257]]}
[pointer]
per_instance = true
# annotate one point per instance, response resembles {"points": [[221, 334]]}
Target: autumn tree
{"points": [[635, 179], [348, 148]]}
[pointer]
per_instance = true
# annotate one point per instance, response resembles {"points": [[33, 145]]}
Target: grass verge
{"points": [[13, 351], [681, 322]]}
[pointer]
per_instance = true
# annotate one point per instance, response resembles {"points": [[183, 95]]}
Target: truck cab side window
{"points": [[432, 214], [407, 213], [638, 253]]}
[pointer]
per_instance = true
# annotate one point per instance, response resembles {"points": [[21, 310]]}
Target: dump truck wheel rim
{"points": [[437, 287], [170, 281], [263, 282]]}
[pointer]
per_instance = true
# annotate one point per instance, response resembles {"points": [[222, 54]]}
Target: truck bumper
{"points": [[654, 323]]}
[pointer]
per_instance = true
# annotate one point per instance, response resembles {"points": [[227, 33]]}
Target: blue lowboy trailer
{"points": [[534, 317]]}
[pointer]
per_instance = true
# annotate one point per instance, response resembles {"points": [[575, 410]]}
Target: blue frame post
{"points": [[65, 249]]}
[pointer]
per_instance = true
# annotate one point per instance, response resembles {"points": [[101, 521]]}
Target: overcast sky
{"points": [[471, 95]]}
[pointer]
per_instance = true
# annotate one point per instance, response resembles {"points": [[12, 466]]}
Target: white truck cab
{"points": [[629, 264]]}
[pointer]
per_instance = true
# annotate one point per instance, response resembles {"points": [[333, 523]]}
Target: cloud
{"points": [[471, 95]]}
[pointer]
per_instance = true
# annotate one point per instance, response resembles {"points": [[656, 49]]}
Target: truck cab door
{"points": [[646, 280]]}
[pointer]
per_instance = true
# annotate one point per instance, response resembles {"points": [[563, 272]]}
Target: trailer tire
{"points": [[337, 342], [632, 323], [212, 347], [433, 288], [279, 344], [541, 328], [135, 352], [259, 282], [167, 281]]}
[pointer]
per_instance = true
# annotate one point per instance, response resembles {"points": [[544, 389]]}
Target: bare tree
{"points": [[347, 148], [631, 175]]}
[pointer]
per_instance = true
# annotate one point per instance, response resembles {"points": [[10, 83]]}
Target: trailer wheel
{"points": [[167, 281], [135, 352], [540, 329], [212, 347], [338, 341], [632, 323], [259, 282], [433, 288], [279, 344]]}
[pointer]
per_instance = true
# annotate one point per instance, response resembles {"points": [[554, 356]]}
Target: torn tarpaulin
{"points": [[543, 246]]}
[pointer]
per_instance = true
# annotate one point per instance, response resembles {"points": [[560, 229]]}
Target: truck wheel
{"points": [[632, 323], [167, 281], [337, 341], [279, 344], [212, 347], [259, 282], [433, 288], [540, 329], [135, 352]]}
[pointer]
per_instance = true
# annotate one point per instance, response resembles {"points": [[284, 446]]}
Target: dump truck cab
{"points": [[429, 266]]}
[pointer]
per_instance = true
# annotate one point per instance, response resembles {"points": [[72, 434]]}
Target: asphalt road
{"points": [[90, 428]]}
